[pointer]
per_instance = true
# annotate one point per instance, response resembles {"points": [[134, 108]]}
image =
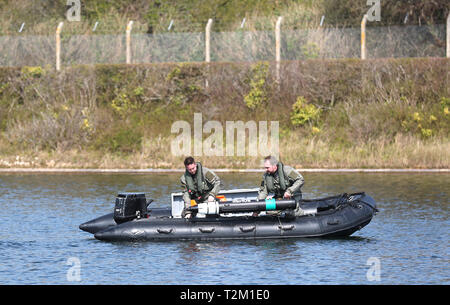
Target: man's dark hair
{"points": [[188, 161]]}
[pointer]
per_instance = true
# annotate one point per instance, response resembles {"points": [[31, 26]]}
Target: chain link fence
{"points": [[237, 46]]}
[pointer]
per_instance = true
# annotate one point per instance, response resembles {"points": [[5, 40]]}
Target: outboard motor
{"points": [[130, 206]]}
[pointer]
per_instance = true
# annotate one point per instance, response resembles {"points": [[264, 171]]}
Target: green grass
{"points": [[42, 16]]}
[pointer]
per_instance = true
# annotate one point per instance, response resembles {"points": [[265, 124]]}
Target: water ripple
{"points": [[39, 235]]}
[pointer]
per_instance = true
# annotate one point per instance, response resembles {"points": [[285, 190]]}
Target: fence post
{"points": [[448, 36], [278, 46], [58, 46], [363, 37], [208, 40], [208, 49], [128, 41]]}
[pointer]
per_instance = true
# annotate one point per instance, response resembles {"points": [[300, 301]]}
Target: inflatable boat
{"points": [[232, 216]]}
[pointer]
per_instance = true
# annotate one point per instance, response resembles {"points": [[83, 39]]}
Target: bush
{"points": [[303, 113], [185, 84], [257, 94]]}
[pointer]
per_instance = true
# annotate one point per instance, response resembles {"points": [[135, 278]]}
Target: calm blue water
{"points": [[40, 243]]}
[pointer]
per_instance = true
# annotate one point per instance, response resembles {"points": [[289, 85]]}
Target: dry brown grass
{"points": [[403, 152]]}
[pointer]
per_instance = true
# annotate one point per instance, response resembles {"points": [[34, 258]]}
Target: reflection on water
{"points": [[39, 233]]}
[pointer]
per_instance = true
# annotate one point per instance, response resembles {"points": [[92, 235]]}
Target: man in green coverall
{"points": [[199, 183], [283, 181]]}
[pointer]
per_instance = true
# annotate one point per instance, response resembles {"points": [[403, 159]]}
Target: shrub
{"points": [[34, 72], [184, 84], [257, 94], [302, 112], [122, 104]]}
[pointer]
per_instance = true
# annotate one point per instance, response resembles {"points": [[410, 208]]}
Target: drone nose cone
{"points": [[98, 224], [88, 227]]}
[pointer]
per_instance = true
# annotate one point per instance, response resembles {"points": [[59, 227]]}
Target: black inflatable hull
{"points": [[106, 221], [330, 221]]}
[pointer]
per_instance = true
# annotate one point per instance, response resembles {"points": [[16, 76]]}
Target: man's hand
{"points": [[287, 195]]}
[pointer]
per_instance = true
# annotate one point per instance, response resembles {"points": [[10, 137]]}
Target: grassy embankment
{"points": [[386, 113], [333, 113]]}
